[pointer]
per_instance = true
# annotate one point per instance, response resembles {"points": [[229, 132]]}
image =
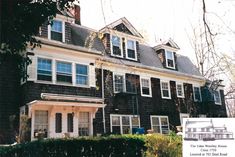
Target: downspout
{"points": [[102, 88]]}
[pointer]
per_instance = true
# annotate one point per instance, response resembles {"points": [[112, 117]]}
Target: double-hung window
{"points": [[81, 74], [165, 90], [116, 46], [160, 124], [197, 94], [57, 30], [170, 59], [180, 90], [131, 50], [44, 69], [145, 87], [64, 72], [83, 124], [118, 83], [217, 97], [41, 123], [124, 124]]}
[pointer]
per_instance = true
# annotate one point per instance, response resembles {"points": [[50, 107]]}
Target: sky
{"points": [[159, 20]]}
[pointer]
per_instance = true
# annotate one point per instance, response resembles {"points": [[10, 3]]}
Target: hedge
{"points": [[112, 146]]}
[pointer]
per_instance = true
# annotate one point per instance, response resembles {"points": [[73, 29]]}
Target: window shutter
{"points": [[92, 78], [31, 70]]}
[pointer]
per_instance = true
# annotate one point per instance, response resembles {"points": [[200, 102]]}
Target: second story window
{"points": [[116, 46], [57, 31], [64, 72], [145, 87], [180, 90], [217, 98], [131, 50], [197, 94], [170, 59], [165, 90], [44, 69], [81, 74], [118, 83]]}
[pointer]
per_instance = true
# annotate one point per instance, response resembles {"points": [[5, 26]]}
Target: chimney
{"points": [[77, 11]]}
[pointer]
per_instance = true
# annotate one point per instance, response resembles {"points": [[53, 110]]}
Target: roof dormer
{"points": [[122, 40], [167, 53]]}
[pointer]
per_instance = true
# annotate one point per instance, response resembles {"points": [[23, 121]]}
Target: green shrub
{"points": [[163, 146]]}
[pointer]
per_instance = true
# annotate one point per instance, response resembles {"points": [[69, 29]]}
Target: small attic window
{"points": [[131, 50], [56, 31], [170, 59], [116, 46]]}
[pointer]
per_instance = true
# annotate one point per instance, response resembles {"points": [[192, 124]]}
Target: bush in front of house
{"points": [[112, 146], [163, 145]]}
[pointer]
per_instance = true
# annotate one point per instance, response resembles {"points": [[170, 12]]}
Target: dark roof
{"points": [[86, 37]]}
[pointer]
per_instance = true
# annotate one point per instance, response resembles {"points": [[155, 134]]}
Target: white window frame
{"points": [[217, 103], [167, 59], [182, 85], [72, 69], [54, 70], [183, 115], [120, 46], [88, 77], [37, 68], [199, 94], [150, 87], [135, 59], [160, 125], [124, 82], [63, 30], [120, 117], [169, 90]]}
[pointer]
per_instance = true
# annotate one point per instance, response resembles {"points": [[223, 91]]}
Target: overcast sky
{"points": [[162, 19]]}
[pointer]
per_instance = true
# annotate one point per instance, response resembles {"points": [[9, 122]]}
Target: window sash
{"points": [[165, 89], [44, 69], [180, 90], [84, 122], [57, 26], [217, 98], [197, 94], [118, 83], [170, 61], [81, 74], [131, 50], [160, 127], [70, 122], [116, 46], [123, 124], [145, 86], [64, 72]]}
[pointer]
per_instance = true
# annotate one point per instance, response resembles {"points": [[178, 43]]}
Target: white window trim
{"points": [[183, 115], [182, 85], [199, 94], [124, 82], [120, 116], [160, 123], [167, 58], [111, 46], [150, 87], [169, 90], [88, 77], [63, 30], [135, 59], [54, 70], [220, 103]]}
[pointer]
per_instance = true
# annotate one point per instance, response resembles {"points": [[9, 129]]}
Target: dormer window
{"points": [[116, 46], [131, 50], [57, 31], [170, 59]]}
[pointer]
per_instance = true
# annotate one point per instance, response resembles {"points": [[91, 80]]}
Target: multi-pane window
{"points": [[70, 122], [123, 124], [170, 61], [64, 72], [217, 97], [83, 124], [145, 87], [180, 90], [160, 124], [81, 74], [41, 123], [116, 46], [44, 69], [197, 94], [165, 90], [118, 83], [57, 30], [58, 122], [131, 51]]}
